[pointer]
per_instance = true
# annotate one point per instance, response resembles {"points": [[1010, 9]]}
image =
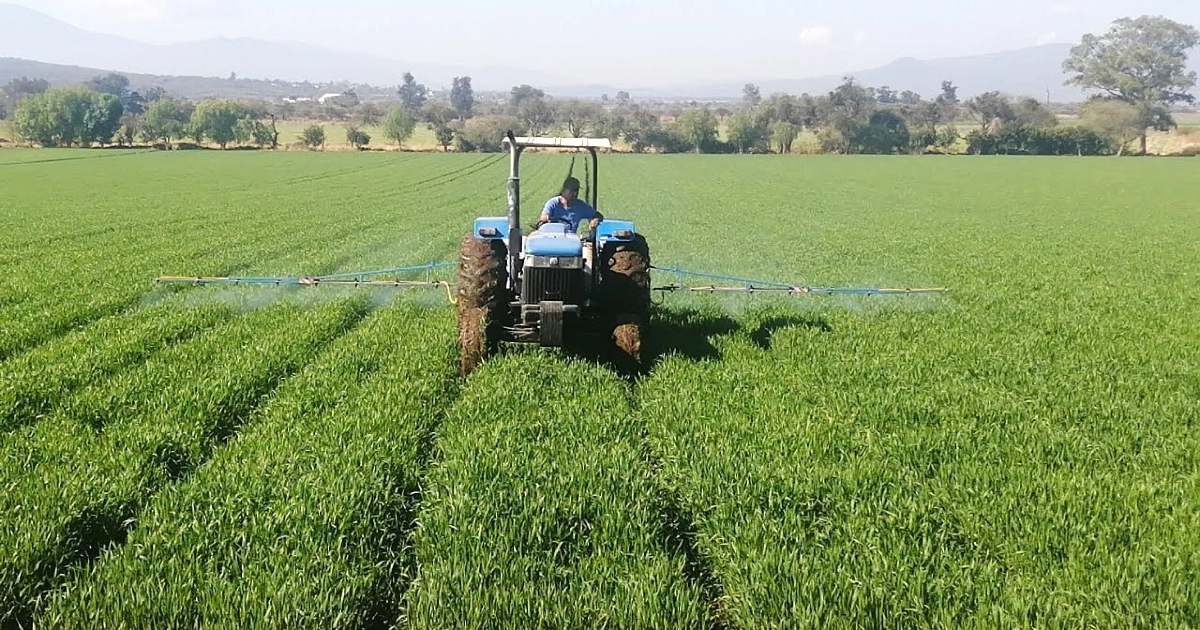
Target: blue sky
{"points": [[632, 40]]}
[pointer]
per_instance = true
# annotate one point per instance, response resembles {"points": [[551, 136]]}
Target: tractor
{"points": [[552, 285]]}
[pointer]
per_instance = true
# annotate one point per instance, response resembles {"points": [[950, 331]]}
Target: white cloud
{"points": [[860, 37], [816, 36]]}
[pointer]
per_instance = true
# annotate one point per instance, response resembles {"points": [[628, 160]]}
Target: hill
{"points": [[29, 34], [68, 54]]}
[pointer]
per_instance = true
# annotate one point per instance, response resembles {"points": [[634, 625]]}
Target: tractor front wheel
{"points": [[625, 291], [482, 299]]}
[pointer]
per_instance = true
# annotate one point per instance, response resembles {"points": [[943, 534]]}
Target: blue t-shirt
{"points": [[580, 210]]}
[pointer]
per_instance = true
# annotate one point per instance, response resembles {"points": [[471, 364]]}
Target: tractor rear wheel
{"points": [[482, 299], [625, 295]]}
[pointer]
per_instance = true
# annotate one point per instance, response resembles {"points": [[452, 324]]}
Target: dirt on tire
{"points": [[482, 300], [625, 295]]}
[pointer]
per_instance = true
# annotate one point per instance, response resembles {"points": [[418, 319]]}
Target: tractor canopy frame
{"points": [[516, 146]]}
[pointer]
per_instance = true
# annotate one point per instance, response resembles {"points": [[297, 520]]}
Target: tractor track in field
{"points": [[392, 161], [679, 535], [76, 159], [390, 601], [96, 532]]}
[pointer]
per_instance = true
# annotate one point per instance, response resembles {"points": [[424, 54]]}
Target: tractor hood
{"points": [[553, 239]]}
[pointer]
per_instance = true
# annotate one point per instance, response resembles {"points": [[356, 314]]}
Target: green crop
{"points": [[301, 520], [1020, 452]]}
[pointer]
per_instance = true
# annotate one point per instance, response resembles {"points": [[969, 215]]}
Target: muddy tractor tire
{"points": [[482, 299], [625, 295]]}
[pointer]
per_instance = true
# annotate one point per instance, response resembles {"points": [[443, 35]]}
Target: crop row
{"points": [[65, 284], [541, 510], [301, 520], [76, 481], [33, 383], [834, 482]]}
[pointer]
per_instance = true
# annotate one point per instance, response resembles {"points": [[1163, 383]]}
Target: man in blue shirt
{"points": [[569, 207]]}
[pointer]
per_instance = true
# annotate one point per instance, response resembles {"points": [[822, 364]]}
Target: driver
{"points": [[569, 208]]}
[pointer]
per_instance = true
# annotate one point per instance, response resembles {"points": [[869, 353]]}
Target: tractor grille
{"points": [[549, 285]]}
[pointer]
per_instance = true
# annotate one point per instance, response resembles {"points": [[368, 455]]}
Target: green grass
{"points": [[1020, 452]]}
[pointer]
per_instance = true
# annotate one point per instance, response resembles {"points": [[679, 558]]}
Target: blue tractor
{"points": [[552, 285]]}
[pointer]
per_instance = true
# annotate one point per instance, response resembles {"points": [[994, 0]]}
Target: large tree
{"points": [[580, 117], [399, 124], [218, 120], [111, 83], [751, 95], [1141, 61], [697, 127], [462, 97], [412, 94], [165, 119]]}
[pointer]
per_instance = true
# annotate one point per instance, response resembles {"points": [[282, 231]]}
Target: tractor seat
{"points": [[553, 239]]}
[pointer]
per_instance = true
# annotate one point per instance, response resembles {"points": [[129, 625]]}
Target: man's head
{"points": [[570, 189]]}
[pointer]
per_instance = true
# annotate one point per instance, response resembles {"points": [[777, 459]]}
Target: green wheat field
{"points": [[1023, 451]]}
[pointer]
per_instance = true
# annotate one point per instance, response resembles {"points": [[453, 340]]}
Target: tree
{"points": [[1140, 61], [399, 124], [623, 99], [751, 95], [1032, 112], [24, 86], [783, 134], [128, 129], [101, 119], [887, 95], [1118, 121], [369, 114], [844, 112], [697, 127], [641, 129], [949, 93], [412, 94], [535, 113], [580, 117], [356, 137], [444, 135], [462, 97], [909, 97], [217, 120], [111, 83], [525, 92], [68, 116], [885, 133], [744, 133], [437, 114], [991, 107], [313, 136]]}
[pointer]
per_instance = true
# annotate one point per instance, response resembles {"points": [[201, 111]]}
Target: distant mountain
{"points": [[199, 69], [29, 34], [1024, 72]]}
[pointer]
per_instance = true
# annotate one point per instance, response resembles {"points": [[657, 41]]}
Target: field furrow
{"points": [[541, 510], [301, 520], [75, 482]]}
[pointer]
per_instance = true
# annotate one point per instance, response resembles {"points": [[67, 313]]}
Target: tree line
{"points": [[1138, 67]]}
